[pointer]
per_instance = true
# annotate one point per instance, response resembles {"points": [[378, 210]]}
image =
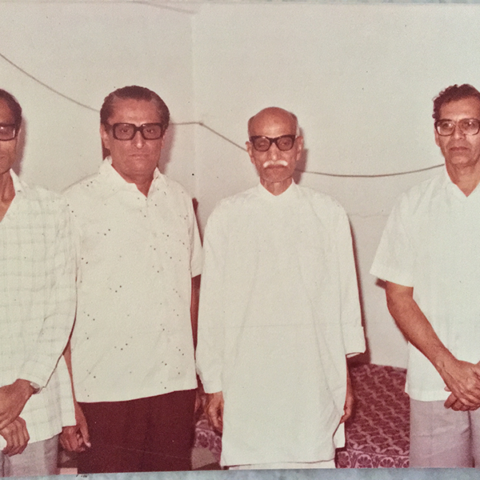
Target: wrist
{"points": [[444, 362], [26, 388]]}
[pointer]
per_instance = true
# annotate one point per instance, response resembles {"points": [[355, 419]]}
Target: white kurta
{"points": [[279, 311]]}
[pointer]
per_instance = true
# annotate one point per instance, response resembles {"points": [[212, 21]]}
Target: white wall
{"points": [[85, 51], [361, 79]]}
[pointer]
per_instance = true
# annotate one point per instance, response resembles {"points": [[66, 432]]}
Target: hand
{"points": [[198, 401], [16, 435], [214, 410], [349, 401], [463, 380], [76, 438], [13, 398], [455, 404]]}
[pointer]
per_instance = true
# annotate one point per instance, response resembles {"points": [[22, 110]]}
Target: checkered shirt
{"points": [[37, 305]]}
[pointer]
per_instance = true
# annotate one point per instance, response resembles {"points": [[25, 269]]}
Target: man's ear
{"points": [[437, 139], [250, 151], [104, 136], [299, 147]]}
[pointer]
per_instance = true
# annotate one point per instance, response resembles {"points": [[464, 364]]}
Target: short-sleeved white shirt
{"points": [[136, 257], [432, 243]]}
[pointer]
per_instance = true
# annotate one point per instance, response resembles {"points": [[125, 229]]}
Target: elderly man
{"points": [[429, 258], [279, 312], [132, 345], [37, 307]]}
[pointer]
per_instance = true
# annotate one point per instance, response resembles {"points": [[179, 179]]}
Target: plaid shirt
{"points": [[37, 305]]}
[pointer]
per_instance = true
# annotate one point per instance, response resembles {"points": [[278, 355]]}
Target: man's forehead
{"points": [[457, 107], [273, 118], [130, 108], [6, 115]]}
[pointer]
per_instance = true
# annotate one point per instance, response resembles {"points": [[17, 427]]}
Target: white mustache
{"points": [[269, 163]]}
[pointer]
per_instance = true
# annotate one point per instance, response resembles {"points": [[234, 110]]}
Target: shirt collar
{"points": [[447, 184], [118, 182], [290, 192], [18, 185]]}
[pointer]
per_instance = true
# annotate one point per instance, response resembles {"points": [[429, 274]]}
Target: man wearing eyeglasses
{"points": [[132, 345], [429, 257], [279, 312], [37, 308]]}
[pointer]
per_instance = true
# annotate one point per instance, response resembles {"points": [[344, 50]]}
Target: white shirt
{"points": [[136, 257], [37, 305], [432, 243], [279, 311]]}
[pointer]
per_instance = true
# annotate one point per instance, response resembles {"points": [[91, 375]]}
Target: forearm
{"points": [[415, 325]]}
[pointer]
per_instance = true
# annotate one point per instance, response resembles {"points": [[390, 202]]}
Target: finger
{"points": [[459, 407], [4, 422], [85, 435], [24, 437], [69, 439], [470, 401], [63, 442], [7, 449], [216, 420], [450, 401], [12, 443]]}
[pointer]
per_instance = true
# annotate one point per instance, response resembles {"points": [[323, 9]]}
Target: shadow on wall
{"points": [[302, 163], [363, 357]]}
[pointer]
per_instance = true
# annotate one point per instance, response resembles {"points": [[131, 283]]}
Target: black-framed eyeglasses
{"points": [[126, 131], [8, 131], [283, 143], [468, 126]]}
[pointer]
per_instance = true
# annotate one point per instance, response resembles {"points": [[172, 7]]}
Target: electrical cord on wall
{"points": [[201, 124]]}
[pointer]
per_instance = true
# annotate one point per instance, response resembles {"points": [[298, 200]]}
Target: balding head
{"points": [[272, 114]]}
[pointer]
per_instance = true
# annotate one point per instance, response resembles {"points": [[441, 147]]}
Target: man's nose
{"points": [[138, 139], [458, 133], [273, 151]]}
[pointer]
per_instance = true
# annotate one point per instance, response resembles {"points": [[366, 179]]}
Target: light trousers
{"points": [[443, 438], [39, 458]]}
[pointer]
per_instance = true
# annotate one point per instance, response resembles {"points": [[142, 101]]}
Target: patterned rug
{"points": [[377, 436]]}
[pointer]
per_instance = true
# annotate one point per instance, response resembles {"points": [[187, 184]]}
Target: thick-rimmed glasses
{"points": [[468, 126], [8, 131], [283, 143], [126, 131]]}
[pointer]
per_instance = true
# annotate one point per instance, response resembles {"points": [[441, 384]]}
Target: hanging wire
{"points": [[201, 124], [45, 85], [379, 175]]}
